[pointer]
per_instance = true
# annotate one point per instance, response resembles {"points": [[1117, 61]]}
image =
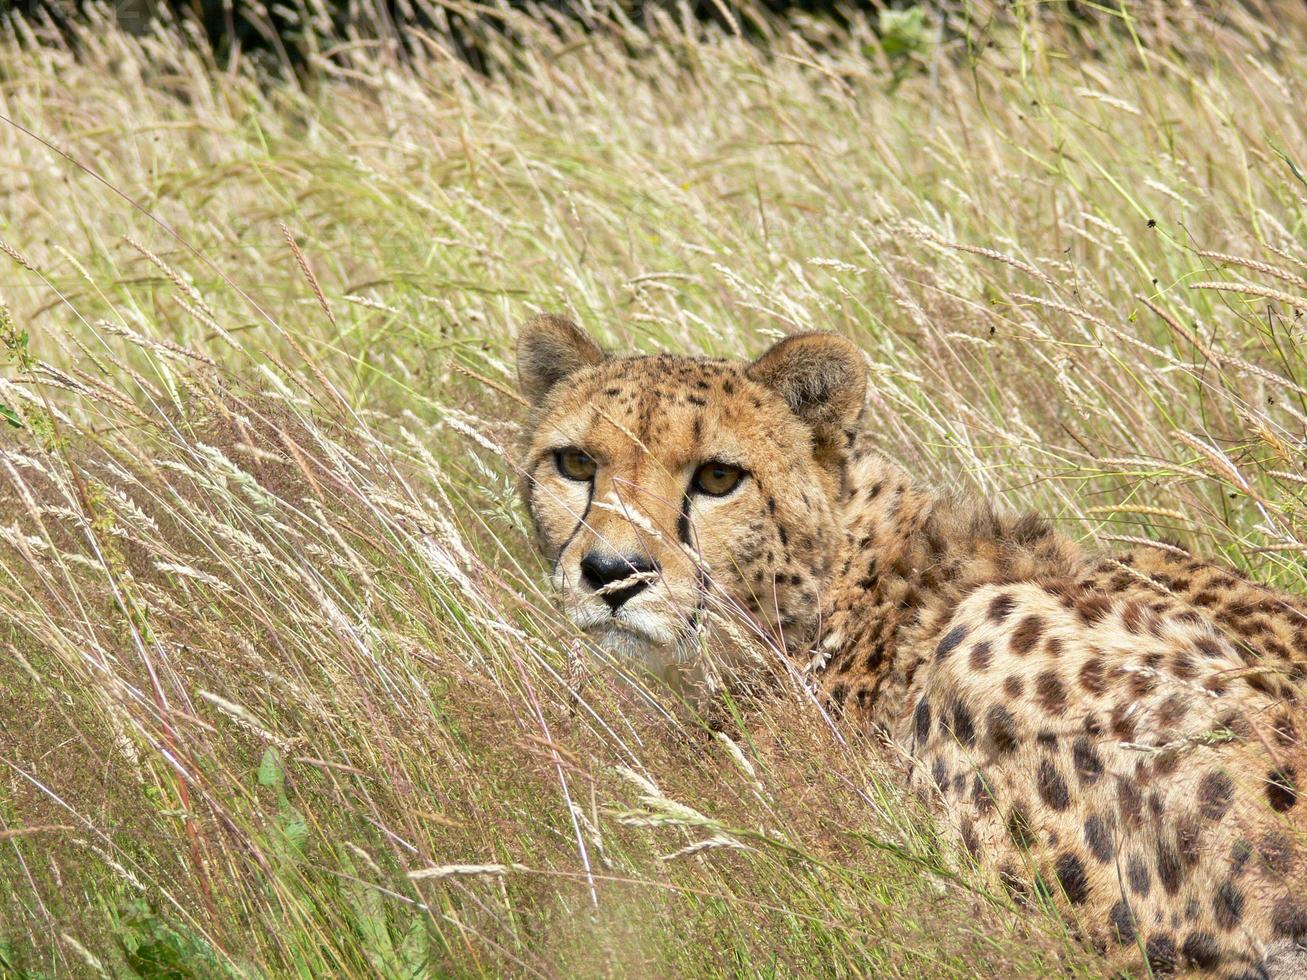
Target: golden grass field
{"points": [[281, 689]]}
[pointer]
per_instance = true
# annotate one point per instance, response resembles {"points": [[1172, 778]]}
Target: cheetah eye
{"points": [[717, 479], [575, 464]]}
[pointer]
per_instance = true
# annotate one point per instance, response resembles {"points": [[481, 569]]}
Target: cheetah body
{"points": [[1121, 737]]}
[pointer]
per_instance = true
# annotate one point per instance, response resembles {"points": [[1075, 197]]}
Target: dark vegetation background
{"points": [[281, 35]]}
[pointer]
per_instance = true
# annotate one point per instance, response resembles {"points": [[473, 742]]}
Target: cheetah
{"points": [[1119, 737]]}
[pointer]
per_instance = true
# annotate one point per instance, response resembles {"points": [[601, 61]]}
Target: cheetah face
{"points": [[683, 500]]}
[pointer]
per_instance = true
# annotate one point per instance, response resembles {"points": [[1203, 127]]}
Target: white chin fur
{"points": [[638, 647], [676, 664]]}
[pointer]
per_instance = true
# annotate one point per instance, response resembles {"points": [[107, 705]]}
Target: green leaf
{"points": [[293, 826], [271, 771], [10, 416], [402, 960], [902, 32], [158, 950]]}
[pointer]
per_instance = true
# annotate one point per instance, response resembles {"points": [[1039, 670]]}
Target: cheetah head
{"points": [[683, 500]]}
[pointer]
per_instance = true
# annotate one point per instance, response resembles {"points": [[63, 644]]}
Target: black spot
{"points": [[1092, 676], [1215, 792], [1071, 876], [1012, 882], [1000, 607], [1050, 693], [1137, 874], [1092, 608], [1042, 891], [921, 721], [1188, 840], [1018, 828], [950, 641], [1142, 684], [1227, 905], [1099, 838], [964, 730], [1282, 789], [969, 838], [1030, 529], [1276, 852], [1236, 723], [1088, 766], [939, 773], [1121, 923], [1122, 720], [1155, 806], [1172, 711], [1002, 729], [1052, 787], [1026, 635], [981, 655], [868, 581], [981, 795], [1160, 950], [1130, 802], [1284, 731], [1290, 918], [1240, 852], [1259, 683], [1165, 762], [1169, 870], [1132, 617]]}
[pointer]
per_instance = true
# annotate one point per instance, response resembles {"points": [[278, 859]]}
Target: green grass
{"points": [[281, 691]]}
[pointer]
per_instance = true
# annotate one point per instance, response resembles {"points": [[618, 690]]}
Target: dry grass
{"points": [[281, 692]]}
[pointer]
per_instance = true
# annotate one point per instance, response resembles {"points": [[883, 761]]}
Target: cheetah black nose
{"points": [[600, 570]]}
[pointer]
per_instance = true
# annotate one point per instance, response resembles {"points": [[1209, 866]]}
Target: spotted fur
{"points": [[1122, 738]]}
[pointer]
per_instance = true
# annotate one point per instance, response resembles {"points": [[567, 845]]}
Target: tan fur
{"points": [[1120, 737]]}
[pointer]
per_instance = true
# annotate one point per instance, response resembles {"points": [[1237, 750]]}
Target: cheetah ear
{"points": [[821, 376], [550, 348]]}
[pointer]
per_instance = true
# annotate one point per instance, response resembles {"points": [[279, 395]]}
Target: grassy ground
{"points": [[280, 692]]}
